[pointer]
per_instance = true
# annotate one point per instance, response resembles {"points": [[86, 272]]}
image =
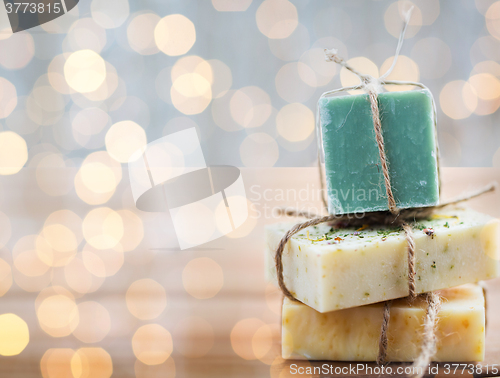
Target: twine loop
{"points": [[395, 216]]}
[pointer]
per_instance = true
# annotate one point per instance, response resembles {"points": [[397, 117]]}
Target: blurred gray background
{"points": [[248, 76]]}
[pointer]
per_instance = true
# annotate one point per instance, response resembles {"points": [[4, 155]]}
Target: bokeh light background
{"points": [[93, 287]]}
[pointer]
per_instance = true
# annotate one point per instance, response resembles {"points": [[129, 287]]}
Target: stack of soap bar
{"points": [[335, 268], [352, 162], [353, 334]]}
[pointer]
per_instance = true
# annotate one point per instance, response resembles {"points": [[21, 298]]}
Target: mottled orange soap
{"points": [[353, 334]]}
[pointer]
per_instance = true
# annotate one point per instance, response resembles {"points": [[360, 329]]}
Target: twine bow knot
{"points": [[369, 83]]}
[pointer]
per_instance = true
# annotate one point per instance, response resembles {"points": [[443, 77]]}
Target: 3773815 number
{"points": [[471, 368], [33, 7]]}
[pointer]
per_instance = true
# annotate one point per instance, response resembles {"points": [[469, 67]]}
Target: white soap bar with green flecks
{"points": [[351, 268], [353, 334]]}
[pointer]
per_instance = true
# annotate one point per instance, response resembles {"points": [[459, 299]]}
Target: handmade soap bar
{"points": [[352, 163], [333, 268], [353, 334]]}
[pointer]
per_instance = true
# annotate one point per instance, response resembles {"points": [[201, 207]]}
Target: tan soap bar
{"points": [[334, 268], [353, 334]]}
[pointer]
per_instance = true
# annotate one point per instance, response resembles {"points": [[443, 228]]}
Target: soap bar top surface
{"points": [[353, 334], [334, 268], [353, 171]]}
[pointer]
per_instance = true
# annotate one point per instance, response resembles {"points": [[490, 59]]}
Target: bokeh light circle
{"points": [[146, 299], [394, 17], [202, 278], [191, 93], [231, 5], [277, 19], [103, 262], [492, 18], [5, 277], [8, 99], [88, 126], [91, 363], [14, 335], [222, 77], [84, 34], [405, 70], [250, 106], [69, 220], [84, 71], [13, 153], [486, 86], [140, 33], [60, 238], [133, 230], [314, 58], [458, 99], [361, 64], [152, 344], [5, 230], [175, 34], [27, 259], [242, 335], [58, 315], [57, 363], [295, 122], [262, 342], [110, 13], [103, 228], [97, 179], [123, 139]]}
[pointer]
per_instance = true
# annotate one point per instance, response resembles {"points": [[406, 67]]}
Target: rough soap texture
{"points": [[353, 334], [352, 163], [352, 268]]}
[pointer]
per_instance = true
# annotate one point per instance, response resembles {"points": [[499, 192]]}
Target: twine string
{"points": [[283, 242], [391, 202], [372, 86], [406, 215], [428, 347], [407, 17], [410, 241], [377, 217], [322, 184], [383, 343], [352, 220], [397, 216]]}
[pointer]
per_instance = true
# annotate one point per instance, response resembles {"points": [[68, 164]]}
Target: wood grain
{"points": [[244, 294]]}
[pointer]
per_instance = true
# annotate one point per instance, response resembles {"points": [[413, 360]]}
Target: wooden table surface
{"points": [[233, 332]]}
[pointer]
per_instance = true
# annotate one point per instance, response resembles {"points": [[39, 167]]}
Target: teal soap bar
{"points": [[353, 172]]}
